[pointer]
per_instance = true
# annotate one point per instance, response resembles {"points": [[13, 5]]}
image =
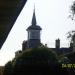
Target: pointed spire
{"points": [[34, 18]]}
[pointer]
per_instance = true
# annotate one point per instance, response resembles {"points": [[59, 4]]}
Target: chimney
{"points": [[57, 43]]}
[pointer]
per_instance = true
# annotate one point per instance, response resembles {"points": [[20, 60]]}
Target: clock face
{"points": [[34, 34]]}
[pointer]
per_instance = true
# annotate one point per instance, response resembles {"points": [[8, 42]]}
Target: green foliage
{"points": [[73, 10], [8, 69], [64, 60], [71, 36], [35, 60], [37, 56]]}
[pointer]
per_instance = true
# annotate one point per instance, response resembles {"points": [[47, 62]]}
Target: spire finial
{"points": [[34, 7], [34, 17]]}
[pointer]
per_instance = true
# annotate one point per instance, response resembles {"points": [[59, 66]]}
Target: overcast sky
{"points": [[51, 15]]}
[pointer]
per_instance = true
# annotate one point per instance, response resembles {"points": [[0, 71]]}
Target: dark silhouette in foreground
{"points": [[37, 61]]}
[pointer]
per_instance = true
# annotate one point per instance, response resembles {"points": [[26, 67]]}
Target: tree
{"points": [[71, 36], [65, 60], [73, 10], [36, 61], [8, 69]]}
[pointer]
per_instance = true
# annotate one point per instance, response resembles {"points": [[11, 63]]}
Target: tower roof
{"points": [[34, 26], [34, 18]]}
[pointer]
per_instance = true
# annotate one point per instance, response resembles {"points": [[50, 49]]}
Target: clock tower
{"points": [[33, 33]]}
